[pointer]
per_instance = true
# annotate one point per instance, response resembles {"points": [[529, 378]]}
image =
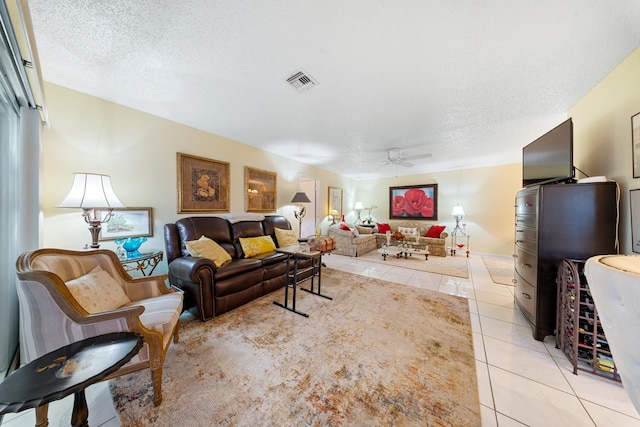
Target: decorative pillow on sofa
{"points": [[383, 227], [344, 227], [435, 231], [286, 237], [206, 248], [252, 246], [408, 232], [97, 291]]}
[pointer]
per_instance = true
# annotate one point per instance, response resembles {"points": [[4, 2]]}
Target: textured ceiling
{"points": [[469, 82]]}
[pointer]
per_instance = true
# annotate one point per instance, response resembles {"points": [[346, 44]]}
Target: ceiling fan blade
{"points": [[403, 163], [417, 156]]}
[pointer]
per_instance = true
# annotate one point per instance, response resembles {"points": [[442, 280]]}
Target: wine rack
{"points": [[579, 333]]}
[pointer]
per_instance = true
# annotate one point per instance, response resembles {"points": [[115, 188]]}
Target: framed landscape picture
{"points": [[203, 184], [259, 190], [414, 202], [126, 222]]}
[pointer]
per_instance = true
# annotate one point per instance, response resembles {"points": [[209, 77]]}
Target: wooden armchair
{"points": [[51, 317]]}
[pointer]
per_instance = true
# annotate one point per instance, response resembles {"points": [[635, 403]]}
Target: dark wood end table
{"points": [[70, 369]]}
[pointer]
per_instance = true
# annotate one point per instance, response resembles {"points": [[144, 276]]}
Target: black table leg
{"points": [[293, 279], [319, 274]]}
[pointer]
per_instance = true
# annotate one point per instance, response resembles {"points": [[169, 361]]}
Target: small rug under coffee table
{"points": [[457, 266], [378, 354]]}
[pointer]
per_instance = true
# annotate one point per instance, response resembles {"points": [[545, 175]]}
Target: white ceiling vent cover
{"points": [[301, 81]]}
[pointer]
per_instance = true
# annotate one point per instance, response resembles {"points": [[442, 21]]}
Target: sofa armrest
{"points": [[197, 275], [444, 235], [186, 268]]}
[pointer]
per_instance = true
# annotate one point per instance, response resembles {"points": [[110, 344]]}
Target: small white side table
{"points": [[457, 243]]}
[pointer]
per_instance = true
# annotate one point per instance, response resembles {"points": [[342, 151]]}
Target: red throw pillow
{"points": [[383, 227], [344, 227], [435, 231]]}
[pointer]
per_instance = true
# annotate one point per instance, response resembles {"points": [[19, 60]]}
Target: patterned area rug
{"points": [[457, 266], [500, 269], [379, 353]]}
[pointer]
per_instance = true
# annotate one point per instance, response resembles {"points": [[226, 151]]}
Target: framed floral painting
{"points": [[414, 202]]}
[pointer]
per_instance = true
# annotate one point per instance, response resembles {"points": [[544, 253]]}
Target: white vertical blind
{"points": [[20, 154]]}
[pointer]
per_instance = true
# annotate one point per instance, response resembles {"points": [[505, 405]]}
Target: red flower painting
{"points": [[414, 202]]}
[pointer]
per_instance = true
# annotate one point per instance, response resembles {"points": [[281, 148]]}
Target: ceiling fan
{"points": [[394, 157]]}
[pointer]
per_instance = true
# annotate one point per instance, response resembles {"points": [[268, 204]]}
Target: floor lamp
{"points": [[299, 198]]}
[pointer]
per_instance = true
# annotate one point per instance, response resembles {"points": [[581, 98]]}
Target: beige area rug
{"points": [[378, 354], [457, 266], [500, 269]]}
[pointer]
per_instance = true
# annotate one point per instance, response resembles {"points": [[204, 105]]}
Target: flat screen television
{"points": [[549, 159]]}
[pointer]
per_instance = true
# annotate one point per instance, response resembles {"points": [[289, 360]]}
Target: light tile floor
{"points": [[521, 381]]}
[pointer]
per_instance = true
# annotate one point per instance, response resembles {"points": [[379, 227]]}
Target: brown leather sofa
{"points": [[211, 291]]}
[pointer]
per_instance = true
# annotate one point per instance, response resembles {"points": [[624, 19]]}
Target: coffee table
{"points": [[68, 370], [406, 249]]}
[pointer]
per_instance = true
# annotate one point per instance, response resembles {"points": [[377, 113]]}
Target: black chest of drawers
{"points": [[554, 222]]}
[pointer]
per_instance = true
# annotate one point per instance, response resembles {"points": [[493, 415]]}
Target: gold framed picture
{"points": [[335, 201], [259, 190], [203, 184]]}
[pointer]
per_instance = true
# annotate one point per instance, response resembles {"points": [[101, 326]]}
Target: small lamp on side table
{"points": [[90, 192], [457, 214], [358, 208], [333, 214]]}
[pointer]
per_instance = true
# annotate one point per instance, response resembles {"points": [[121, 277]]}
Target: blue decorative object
{"points": [[132, 244]]}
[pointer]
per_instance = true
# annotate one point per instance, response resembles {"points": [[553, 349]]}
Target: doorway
{"points": [[310, 186]]}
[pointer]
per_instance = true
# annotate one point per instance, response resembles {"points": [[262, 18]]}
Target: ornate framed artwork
{"points": [[259, 190], [203, 184], [414, 202], [335, 200], [635, 144], [126, 222]]}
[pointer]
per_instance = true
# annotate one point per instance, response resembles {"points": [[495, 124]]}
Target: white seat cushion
{"points": [[161, 313]]}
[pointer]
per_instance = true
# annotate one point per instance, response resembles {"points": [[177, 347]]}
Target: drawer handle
{"points": [[528, 204], [526, 295], [526, 265], [514, 281], [519, 241]]}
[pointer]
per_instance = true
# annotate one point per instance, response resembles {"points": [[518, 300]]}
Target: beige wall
{"points": [[138, 151], [602, 134], [486, 195]]}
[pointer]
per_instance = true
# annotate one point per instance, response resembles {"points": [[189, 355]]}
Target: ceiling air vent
{"points": [[301, 81]]}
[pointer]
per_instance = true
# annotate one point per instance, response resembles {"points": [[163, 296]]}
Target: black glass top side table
{"points": [[68, 370]]}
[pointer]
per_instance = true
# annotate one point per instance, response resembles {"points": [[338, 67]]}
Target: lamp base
{"points": [[94, 229]]}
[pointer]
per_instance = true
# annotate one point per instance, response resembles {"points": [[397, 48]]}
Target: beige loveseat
{"points": [[437, 246], [348, 244]]}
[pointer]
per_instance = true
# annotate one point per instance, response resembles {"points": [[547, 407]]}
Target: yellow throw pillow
{"points": [[206, 248], [252, 246], [97, 291], [286, 237]]}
